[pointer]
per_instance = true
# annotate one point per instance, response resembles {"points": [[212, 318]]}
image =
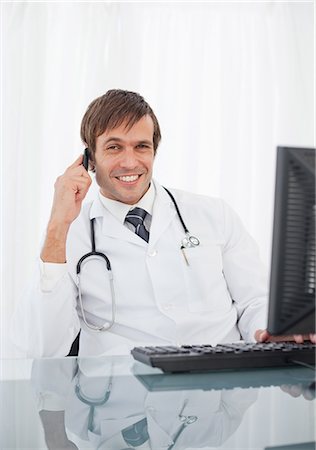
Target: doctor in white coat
{"points": [[158, 292]]}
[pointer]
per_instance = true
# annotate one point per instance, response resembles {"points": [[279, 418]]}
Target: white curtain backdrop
{"points": [[229, 82]]}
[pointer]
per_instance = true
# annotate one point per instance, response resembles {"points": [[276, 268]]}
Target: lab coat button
{"points": [[152, 252], [150, 409], [168, 306]]}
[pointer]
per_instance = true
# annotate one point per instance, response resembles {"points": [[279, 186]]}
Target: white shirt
{"points": [[120, 210], [219, 297]]}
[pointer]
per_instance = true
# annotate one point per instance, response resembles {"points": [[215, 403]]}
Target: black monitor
{"points": [[292, 279]]}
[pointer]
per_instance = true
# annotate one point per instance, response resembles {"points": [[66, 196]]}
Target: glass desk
{"points": [[118, 403]]}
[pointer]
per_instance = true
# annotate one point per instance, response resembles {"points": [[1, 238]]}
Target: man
{"points": [[162, 291]]}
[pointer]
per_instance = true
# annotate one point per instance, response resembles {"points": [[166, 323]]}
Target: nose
{"points": [[128, 159]]}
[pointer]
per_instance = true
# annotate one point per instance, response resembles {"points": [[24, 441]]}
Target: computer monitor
{"points": [[292, 278]]}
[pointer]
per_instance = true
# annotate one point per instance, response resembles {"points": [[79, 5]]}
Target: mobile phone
{"points": [[86, 157]]}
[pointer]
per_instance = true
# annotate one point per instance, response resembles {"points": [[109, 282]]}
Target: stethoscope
{"points": [[142, 435], [185, 422], [189, 241], [92, 402]]}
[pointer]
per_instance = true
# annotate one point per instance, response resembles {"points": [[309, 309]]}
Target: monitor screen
{"points": [[292, 278]]}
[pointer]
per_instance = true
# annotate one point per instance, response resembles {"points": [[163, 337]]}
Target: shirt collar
{"points": [[119, 210]]}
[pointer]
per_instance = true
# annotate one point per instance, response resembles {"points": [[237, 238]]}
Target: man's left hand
{"points": [[265, 336]]}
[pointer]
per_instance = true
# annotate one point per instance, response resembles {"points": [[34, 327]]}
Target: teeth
{"points": [[128, 178]]}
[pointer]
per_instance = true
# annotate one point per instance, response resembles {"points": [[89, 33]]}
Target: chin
{"points": [[132, 197], [129, 200]]}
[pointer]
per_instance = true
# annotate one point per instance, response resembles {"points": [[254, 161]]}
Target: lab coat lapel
{"points": [[112, 227], [163, 213]]}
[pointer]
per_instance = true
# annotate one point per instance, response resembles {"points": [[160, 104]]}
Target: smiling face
{"points": [[124, 161]]}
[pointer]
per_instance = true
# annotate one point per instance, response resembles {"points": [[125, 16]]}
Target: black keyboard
{"points": [[192, 358]]}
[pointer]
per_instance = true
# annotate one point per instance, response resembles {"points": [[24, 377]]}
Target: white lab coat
{"points": [[159, 298]]}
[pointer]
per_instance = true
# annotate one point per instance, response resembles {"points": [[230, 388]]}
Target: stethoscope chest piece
{"points": [[190, 241]]}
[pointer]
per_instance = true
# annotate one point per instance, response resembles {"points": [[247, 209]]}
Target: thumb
{"points": [[261, 335]]}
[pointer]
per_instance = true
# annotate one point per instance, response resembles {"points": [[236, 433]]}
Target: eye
{"points": [[143, 146], [113, 147]]}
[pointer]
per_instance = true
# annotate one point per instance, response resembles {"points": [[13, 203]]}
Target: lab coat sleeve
{"points": [[50, 274], [45, 321], [51, 382], [246, 276]]}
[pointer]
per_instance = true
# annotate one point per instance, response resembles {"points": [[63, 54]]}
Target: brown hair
{"points": [[110, 111]]}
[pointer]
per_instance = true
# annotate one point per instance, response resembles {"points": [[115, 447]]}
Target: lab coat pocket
{"points": [[118, 432], [206, 286], [159, 438]]}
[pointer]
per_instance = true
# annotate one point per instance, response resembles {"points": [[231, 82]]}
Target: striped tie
{"points": [[136, 217]]}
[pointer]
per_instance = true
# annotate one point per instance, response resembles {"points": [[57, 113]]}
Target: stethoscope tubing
{"points": [[92, 402], [178, 211]]}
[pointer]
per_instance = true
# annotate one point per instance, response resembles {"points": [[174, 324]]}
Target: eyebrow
{"points": [[117, 139]]}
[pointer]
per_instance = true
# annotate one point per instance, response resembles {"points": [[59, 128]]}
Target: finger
{"points": [[312, 338], [293, 390], [67, 189], [77, 162], [285, 388], [79, 171], [309, 394], [261, 335], [66, 182], [80, 189], [81, 180], [288, 338], [298, 338], [267, 337]]}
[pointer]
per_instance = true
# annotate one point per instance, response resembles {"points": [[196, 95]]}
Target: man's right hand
{"points": [[70, 190]]}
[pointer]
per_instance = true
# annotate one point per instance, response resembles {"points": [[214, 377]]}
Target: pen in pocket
{"points": [[184, 256]]}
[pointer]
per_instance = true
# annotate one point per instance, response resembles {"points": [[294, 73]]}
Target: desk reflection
{"points": [[111, 404]]}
